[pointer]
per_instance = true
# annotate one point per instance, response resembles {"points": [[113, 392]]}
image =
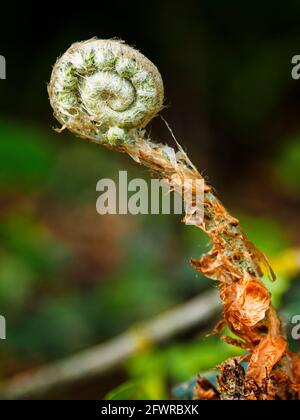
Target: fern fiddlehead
{"points": [[106, 92]]}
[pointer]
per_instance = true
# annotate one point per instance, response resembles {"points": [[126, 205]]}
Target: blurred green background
{"points": [[69, 278]]}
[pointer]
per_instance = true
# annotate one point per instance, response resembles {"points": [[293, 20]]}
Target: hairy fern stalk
{"points": [[106, 92]]}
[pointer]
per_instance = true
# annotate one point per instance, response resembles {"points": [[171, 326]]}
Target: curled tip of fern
{"points": [[105, 91]]}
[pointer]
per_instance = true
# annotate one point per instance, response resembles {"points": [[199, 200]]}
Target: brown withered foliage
{"points": [[234, 384], [204, 390], [236, 264]]}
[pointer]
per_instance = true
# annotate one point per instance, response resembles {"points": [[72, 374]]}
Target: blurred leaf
{"points": [[266, 233], [127, 391], [16, 281], [26, 157], [288, 164], [32, 242], [198, 356], [177, 362], [58, 327]]}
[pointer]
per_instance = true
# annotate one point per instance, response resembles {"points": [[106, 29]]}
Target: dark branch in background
{"points": [[103, 358]]}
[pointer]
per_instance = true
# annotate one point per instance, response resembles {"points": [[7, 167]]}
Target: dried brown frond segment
{"points": [[269, 351], [245, 305], [231, 381], [204, 390], [237, 265], [233, 384], [295, 366]]}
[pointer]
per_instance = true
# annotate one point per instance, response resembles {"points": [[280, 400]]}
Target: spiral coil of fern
{"points": [[104, 90]]}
